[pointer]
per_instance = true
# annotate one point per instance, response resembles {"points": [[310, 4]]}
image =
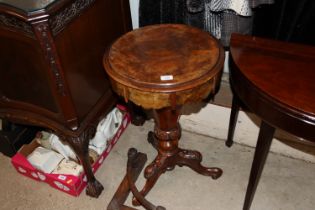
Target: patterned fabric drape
{"points": [[219, 17], [241, 7]]}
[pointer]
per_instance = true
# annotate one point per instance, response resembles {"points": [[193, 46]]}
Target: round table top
{"points": [[164, 57], [277, 80]]}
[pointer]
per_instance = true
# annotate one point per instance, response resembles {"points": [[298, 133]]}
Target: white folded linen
{"points": [[44, 159]]}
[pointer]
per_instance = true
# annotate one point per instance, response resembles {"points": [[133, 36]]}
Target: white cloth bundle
{"points": [[106, 129], [52, 142]]}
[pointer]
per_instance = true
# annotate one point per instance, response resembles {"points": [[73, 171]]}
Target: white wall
{"points": [[134, 5]]}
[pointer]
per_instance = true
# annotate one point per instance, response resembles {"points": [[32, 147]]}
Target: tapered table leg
{"points": [[261, 152], [233, 118]]}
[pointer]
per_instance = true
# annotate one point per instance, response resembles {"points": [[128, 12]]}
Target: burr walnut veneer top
{"points": [[164, 59]]}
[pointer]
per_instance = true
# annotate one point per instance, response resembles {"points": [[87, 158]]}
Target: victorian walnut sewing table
{"points": [[163, 67], [275, 81]]}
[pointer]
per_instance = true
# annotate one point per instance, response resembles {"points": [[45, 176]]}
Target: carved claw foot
{"points": [[193, 159], [94, 189]]}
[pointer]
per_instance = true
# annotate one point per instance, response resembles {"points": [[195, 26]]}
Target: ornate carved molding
{"points": [[16, 24], [44, 36], [61, 19], [190, 155], [167, 135], [80, 142]]}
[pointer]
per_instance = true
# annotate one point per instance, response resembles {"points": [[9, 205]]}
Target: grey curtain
{"points": [[292, 21], [219, 17]]}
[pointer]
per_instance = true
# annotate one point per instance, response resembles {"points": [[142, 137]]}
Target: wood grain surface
{"points": [[150, 64]]}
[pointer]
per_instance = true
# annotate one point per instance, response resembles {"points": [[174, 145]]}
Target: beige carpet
{"points": [[286, 184]]}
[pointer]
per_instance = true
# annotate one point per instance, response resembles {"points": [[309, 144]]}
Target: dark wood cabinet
{"points": [[51, 66]]}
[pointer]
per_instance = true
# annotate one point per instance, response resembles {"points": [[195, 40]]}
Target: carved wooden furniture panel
{"points": [[51, 70]]}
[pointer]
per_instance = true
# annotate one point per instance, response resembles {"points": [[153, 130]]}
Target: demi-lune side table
{"points": [[275, 81]]}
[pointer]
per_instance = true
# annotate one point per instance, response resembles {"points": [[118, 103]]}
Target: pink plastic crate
{"points": [[70, 184]]}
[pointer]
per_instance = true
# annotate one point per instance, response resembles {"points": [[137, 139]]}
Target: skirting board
{"points": [[212, 120]]}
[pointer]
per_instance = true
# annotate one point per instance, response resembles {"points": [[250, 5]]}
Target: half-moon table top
{"points": [[163, 65], [276, 80]]}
